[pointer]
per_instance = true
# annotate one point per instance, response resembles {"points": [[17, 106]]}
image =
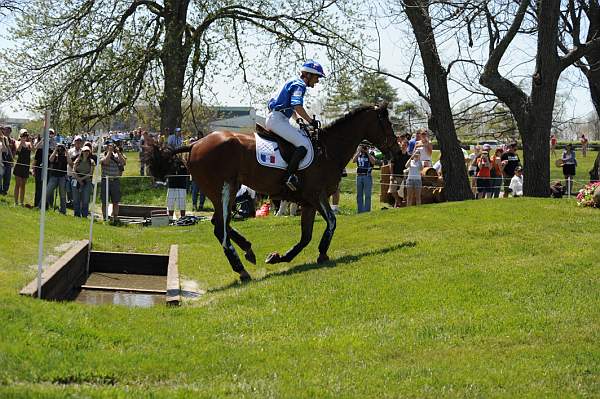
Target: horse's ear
{"points": [[383, 105]]}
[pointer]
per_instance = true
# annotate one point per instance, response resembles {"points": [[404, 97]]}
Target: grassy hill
{"points": [[495, 298]]}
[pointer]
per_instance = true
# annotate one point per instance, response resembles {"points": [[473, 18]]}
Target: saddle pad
{"points": [[267, 153]]}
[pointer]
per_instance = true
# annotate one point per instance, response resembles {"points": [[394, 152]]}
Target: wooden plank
{"points": [[63, 276], [142, 211], [134, 263], [127, 289], [173, 288]]}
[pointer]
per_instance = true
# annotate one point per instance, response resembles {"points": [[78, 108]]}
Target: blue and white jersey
{"points": [[290, 95], [363, 164]]}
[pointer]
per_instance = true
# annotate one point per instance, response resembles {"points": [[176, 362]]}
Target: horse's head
{"points": [[160, 162], [382, 135]]}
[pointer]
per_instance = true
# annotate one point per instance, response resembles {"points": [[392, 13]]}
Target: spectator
{"points": [[414, 183], [38, 163], [9, 149], [472, 170], [553, 142], [484, 167], [175, 140], [584, 145], [496, 173], [364, 180], [516, 182], [72, 155], [425, 148], [196, 193], [22, 165], [57, 177], [111, 163], [141, 151], [413, 142], [83, 168], [397, 173], [177, 190], [287, 208], [569, 164], [509, 162], [335, 197]]}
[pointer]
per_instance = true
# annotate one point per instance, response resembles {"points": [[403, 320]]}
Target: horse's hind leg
{"points": [[220, 220], [244, 244]]}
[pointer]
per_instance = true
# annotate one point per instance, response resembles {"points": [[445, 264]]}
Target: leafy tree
{"points": [[533, 112], [441, 120], [90, 59], [35, 126], [343, 96], [407, 111], [374, 88]]}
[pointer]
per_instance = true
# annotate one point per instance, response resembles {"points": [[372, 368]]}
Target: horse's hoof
{"points": [[245, 276], [322, 259], [273, 258], [250, 257]]}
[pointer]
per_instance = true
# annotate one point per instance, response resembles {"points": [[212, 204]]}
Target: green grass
{"points": [[495, 298]]}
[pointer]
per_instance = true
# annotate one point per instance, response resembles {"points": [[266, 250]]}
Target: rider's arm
{"points": [[301, 112]]}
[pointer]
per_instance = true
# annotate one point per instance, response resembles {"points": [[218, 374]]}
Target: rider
{"points": [[289, 102]]}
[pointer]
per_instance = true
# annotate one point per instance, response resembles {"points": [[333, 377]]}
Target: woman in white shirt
{"points": [[516, 183], [413, 181], [425, 147]]}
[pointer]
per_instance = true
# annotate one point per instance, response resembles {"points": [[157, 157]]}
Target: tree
{"points": [[407, 111], [374, 88], [532, 112], [9, 6], [342, 97], [591, 10], [92, 59], [441, 121]]}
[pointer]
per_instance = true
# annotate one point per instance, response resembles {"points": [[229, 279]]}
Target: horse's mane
{"points": [[353, 113]]}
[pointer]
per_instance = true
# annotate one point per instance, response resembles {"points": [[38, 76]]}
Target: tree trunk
{"points": [[593, 57], [174, 57], [533, 113], [536, 151], [456, 183]]}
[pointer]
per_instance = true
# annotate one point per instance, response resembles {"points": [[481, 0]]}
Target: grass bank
{"points": [[495, 298]]}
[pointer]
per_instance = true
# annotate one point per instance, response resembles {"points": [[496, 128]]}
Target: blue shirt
{"points": [[411, 145], [290, 95], [175, 141], [363, 164]]}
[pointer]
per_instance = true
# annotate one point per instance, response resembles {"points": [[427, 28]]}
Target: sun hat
{"points": [[23, 131], [78, 137], [86, 148]]}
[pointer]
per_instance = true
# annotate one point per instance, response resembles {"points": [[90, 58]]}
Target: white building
{"points": [[237, 119]]}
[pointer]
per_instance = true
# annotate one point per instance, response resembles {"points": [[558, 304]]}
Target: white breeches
{"points": [[279, 124]]}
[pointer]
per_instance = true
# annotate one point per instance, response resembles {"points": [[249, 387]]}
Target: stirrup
{"points": [[292, 182]]}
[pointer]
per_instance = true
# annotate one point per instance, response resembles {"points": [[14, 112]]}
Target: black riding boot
{"points": [[291, 179]]}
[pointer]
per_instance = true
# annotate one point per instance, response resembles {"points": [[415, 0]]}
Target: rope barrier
{"points": [[351, 172]]}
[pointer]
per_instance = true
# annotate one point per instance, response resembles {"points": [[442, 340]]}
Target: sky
{"points": [[396, 43]]}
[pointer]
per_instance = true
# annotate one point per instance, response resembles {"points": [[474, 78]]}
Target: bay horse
{"points": [[221, 161]]}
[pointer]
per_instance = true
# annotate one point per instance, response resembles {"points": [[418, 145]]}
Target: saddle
{"points": [[285, 147]]}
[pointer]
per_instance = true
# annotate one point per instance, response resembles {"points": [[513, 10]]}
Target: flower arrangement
{"points": [[585, 197]]}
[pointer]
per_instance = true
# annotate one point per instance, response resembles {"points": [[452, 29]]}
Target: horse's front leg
{"points": [[307, 220], [327, 214]]}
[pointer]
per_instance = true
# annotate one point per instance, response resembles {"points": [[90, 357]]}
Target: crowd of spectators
{"points": [[494, 172], [71, 163]]}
